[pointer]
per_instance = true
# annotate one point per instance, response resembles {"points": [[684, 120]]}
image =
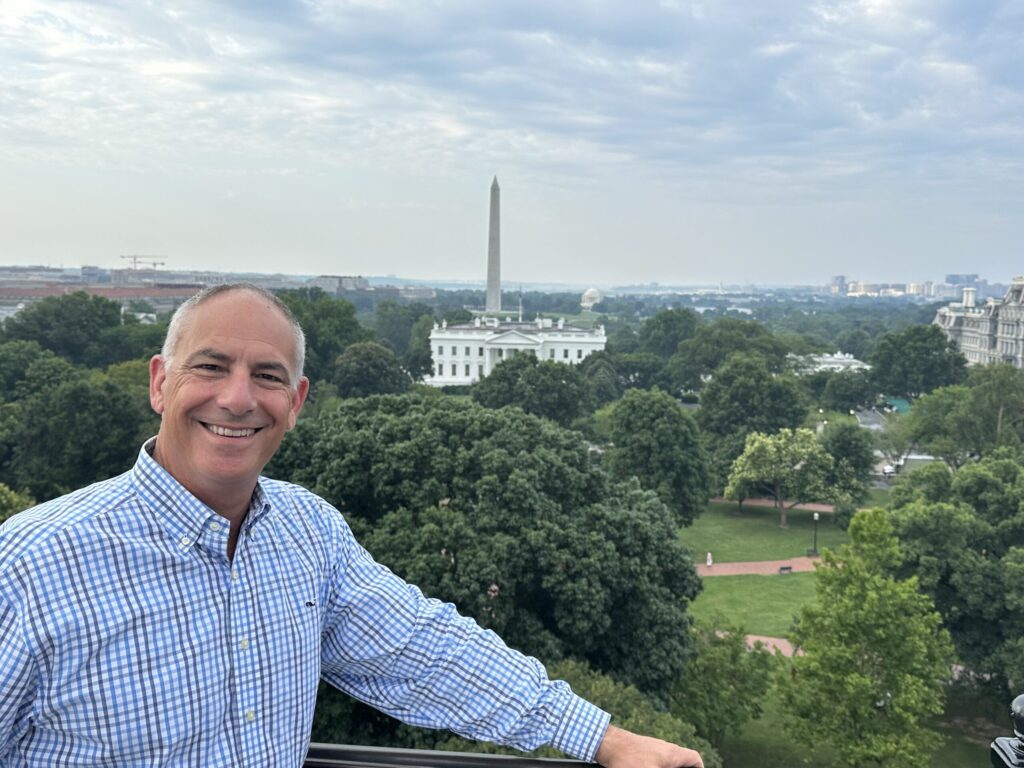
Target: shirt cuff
{"points": [[582, 727]]}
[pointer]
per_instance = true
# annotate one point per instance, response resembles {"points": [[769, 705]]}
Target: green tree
{"points": [[963, 537], [368, 368], [72, 435], [745, 396], [848, 390], [15, 359], [330, 326], [856, 342], [914, 361], [547, 388], [394, 323], [506, 515], [662, 334], [714, 343], [791, 466], [656, 441], [941, 424], [71, 326], [12, 502], [725, 682], [875, 658], [853, 459]]}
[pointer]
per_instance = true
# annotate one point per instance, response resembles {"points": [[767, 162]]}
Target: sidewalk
{"points": [[761, 567], [810, 506]]}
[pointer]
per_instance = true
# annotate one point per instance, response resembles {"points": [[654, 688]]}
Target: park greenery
{"points": [[561, 505]]}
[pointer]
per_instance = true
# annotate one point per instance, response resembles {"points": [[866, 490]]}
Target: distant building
{"points": [[591, 297], [993, 333], [840, 361], [465, 353], [335, 284], [838, 286]]}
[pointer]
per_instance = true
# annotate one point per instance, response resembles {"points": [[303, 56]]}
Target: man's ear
{"points": [[298, 398], [157, 375]]}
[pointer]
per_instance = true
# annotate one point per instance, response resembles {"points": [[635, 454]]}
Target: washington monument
{"points": [[494, 252]]}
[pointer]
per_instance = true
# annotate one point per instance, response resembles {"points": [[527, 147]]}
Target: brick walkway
{"points": [[761, 567]]}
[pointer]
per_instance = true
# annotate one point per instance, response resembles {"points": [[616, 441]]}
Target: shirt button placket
{"points": [[245, 658]]}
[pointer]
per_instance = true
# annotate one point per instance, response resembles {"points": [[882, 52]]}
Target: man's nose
{"points": [[237, 395]]}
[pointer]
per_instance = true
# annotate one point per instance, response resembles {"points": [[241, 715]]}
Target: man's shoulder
{"points": [[26, 531], [304, 512]]}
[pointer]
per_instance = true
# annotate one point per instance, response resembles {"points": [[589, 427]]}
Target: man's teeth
{"points": [[225, 432]]}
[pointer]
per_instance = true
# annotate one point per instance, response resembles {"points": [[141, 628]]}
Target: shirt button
{"points": [[249, 715], [244, 645], [234, 574], [214, 527], [185, 541]]}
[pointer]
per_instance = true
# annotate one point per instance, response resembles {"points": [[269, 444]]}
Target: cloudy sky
{"points": [[681, 142]]}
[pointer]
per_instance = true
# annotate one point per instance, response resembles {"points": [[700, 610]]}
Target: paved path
{"points": [[811, 507], [775, 644], [762, 567]]}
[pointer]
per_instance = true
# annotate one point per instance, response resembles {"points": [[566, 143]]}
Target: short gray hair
{"points": [[180, 317]]}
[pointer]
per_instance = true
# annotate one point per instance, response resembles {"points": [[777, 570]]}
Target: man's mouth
{"points": [[227, 432]]}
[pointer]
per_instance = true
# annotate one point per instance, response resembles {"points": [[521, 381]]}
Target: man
{"points": [[183, 613]]}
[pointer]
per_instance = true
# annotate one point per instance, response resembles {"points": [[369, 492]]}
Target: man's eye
{"points": [[270, 377], [213, 367]]}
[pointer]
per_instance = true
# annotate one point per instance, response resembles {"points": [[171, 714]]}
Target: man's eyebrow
{"points": [[209, 353]]}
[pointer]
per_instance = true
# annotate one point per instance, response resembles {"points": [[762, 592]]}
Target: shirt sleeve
{"points": [[18, 680], [418, 660]]}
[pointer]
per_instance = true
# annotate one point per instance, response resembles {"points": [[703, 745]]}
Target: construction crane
{"points": [[136, 259]]}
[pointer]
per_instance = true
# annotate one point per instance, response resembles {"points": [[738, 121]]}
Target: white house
{"points": [[465, 353]]}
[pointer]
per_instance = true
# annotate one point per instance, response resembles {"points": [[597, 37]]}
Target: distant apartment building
{"points": [[992, 333], [465, 353]]}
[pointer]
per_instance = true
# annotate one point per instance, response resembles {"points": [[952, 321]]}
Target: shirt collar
{"points": [[180, 513]]}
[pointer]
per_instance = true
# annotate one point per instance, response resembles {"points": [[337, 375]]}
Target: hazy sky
{"points": [[679, 142]]}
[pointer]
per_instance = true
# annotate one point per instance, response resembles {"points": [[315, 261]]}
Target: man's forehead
{"points": [[237, 320]]}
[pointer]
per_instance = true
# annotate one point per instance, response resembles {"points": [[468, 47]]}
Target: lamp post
{"points": [[813, 552]]}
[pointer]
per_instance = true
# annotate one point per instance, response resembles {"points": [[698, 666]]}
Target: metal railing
{"points": [[348, 756]]}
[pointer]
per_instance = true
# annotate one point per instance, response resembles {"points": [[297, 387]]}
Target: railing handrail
{"points": [[353, 756]]}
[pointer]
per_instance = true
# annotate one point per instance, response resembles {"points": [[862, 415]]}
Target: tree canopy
{"points": [[547, 388], [916, 360], [790, 465], [656, 441], [963, 538], [505, 514], [875, 658]]}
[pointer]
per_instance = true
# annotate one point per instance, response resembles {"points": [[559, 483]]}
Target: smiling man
{"points": [[184, 612]]}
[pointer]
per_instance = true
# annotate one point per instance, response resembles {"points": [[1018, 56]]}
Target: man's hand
{"points": [[622, 749]]}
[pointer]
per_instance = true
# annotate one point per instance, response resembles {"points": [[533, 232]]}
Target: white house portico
{"points": [[465, 353]]}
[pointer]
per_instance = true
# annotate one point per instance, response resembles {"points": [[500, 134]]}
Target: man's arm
{"points": [[622, 749]]}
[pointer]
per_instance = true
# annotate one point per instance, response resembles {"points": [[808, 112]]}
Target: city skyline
{"points": [[676, 143]]}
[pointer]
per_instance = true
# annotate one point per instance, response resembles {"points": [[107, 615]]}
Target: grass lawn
{"points": [[762, 605], [754, 534], [877, 497], [764, 743]]}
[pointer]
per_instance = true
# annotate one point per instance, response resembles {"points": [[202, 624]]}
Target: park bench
{"points": [[785, 569]]}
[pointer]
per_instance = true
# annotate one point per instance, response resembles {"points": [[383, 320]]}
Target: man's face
{"points": [[228, 396]]}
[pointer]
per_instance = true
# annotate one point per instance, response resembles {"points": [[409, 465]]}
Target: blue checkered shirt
{"points": [[127, 637]]}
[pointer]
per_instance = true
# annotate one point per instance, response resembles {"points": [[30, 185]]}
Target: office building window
{"points": [[480, 371], [579, 354], [453, 369], [440, 350], [565, 354], [454, 351], [480, 352], [551, 353], [467, 370], [467, 351], [440, 369]]}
